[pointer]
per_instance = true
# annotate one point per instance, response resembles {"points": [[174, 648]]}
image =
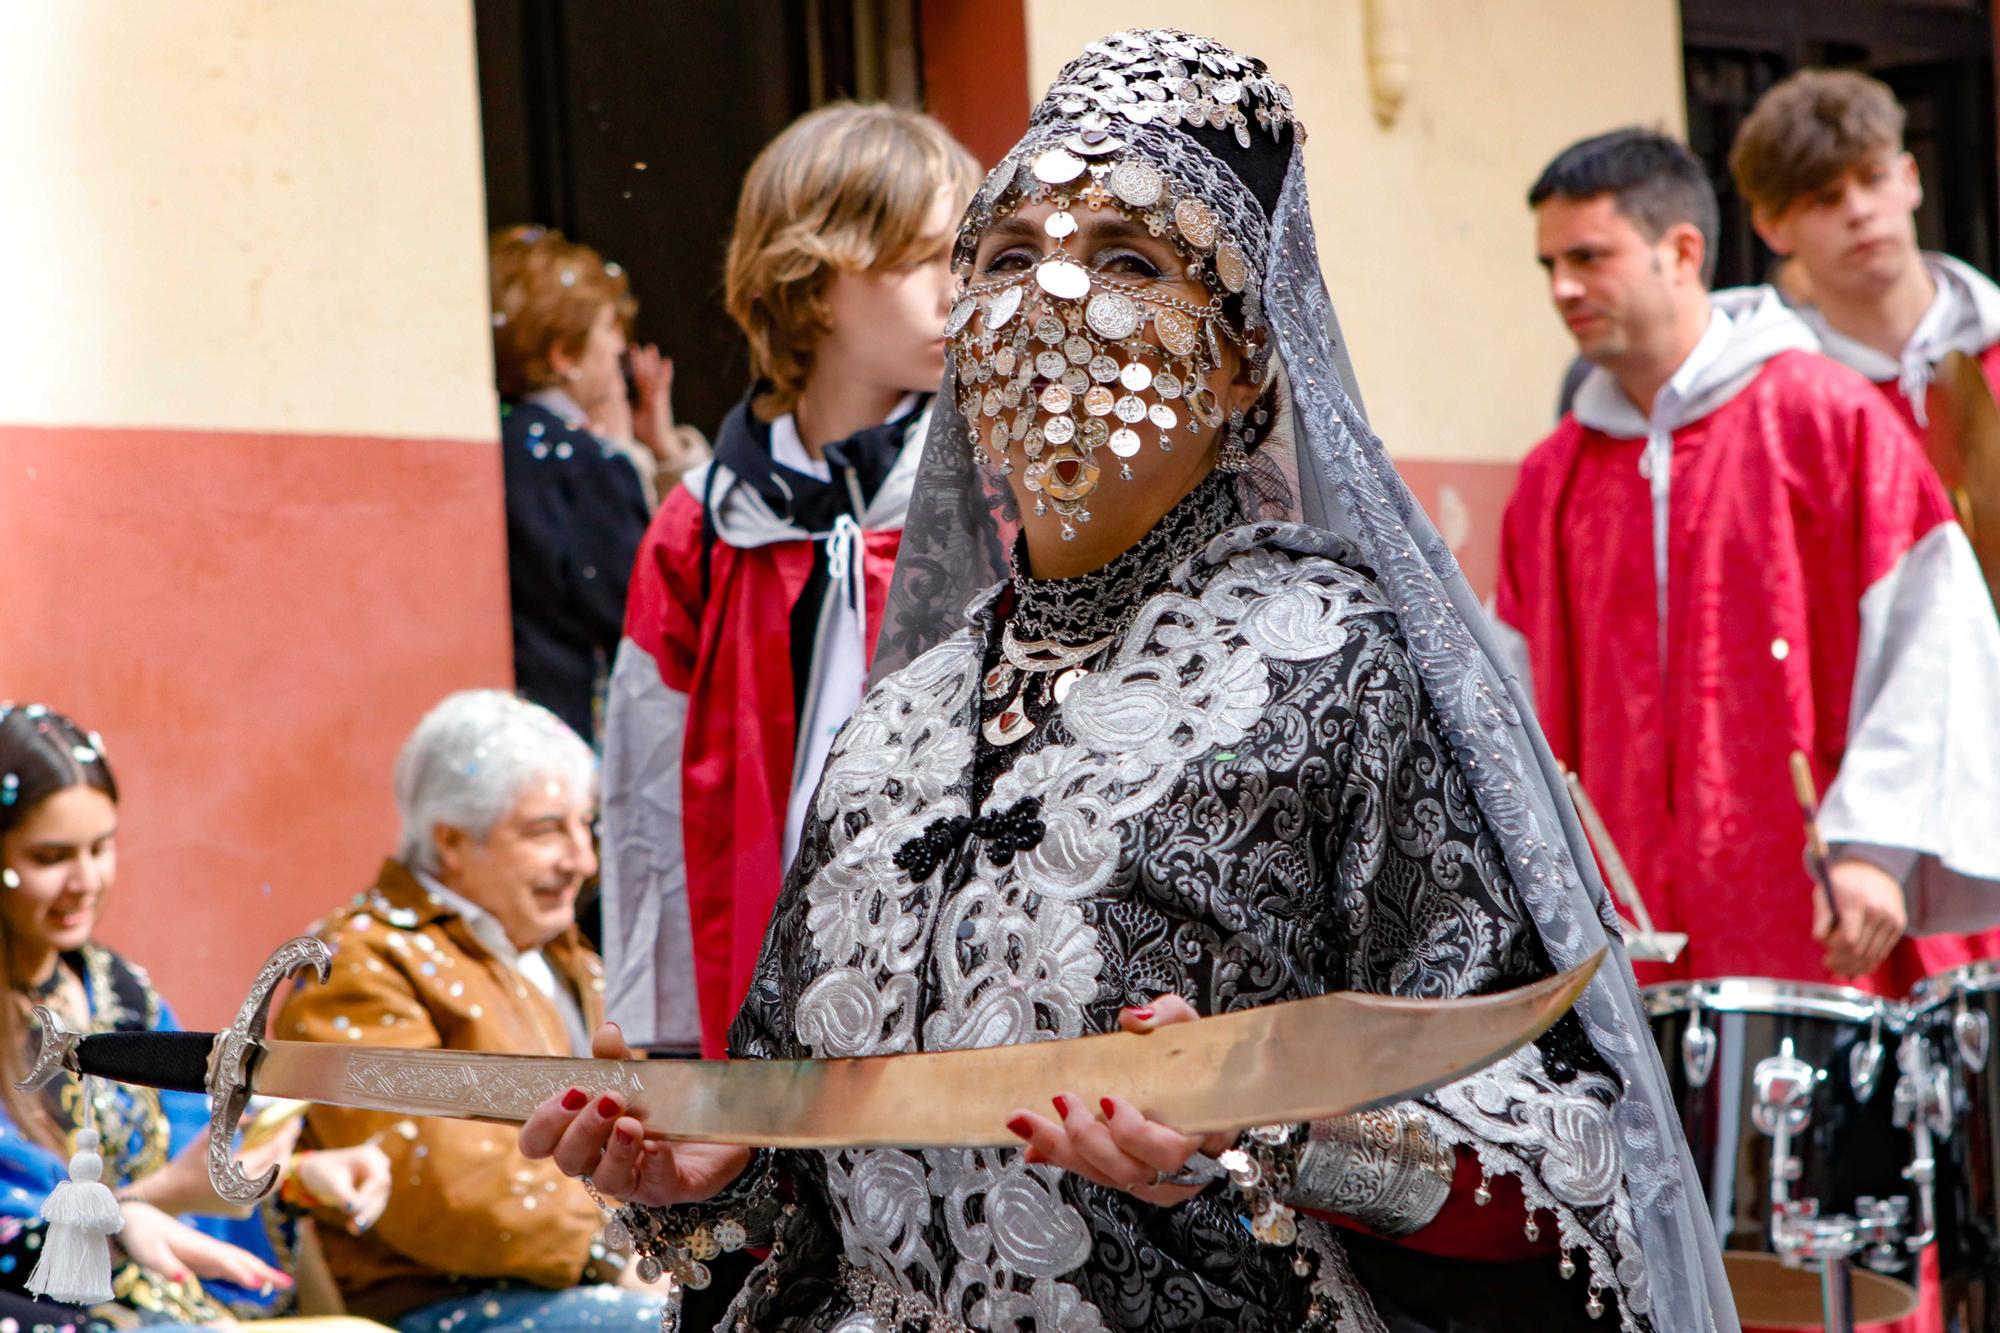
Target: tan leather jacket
{"points": [[466, 1208]]}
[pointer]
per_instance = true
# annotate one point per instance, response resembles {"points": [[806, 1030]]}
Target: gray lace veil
{"points": [[1339, 479]]}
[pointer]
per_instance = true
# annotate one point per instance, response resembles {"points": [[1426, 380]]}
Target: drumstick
{"points": [[1818, 861], [1615, 869]]}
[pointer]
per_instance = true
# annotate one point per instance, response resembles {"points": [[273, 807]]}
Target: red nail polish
{"points": [[607, 1106], [624, 1137], [1142, 1014], [1109, 1109], [1031, 1157], [1062, 1107], [1019, 1125], [574, 1099]]}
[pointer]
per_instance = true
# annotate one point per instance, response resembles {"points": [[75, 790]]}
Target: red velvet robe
{"points": [[1787, 502]]}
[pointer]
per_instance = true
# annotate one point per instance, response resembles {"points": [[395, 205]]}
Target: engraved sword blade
{"points": [[1280, 1063]]}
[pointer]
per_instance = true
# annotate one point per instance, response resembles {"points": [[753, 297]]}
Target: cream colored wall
{"points": [[1424, 233], [212, 235]]}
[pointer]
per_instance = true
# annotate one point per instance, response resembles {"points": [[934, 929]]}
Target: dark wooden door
{"points": [[628, 124]]}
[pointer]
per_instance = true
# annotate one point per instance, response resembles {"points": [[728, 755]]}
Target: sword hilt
{"points": [[175, 1060], [219, 1063]]}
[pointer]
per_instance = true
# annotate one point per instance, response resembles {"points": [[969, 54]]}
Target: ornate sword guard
{"points": [[230, 1061]]}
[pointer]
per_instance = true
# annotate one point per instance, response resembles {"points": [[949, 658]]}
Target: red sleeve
{"points": [[1493, 1232], [663, 611]]}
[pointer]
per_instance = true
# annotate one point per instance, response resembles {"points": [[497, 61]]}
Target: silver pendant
{"points": [[1010, 724], [998, 681]]}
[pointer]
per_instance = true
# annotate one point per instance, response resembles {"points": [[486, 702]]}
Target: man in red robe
{"points": [[1729, 550], [1830, 186]]}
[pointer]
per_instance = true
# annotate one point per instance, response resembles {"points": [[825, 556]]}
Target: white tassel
{"points": [[83, 1214]]}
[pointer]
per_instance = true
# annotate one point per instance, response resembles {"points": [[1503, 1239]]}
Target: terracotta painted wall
{"points": [[1424, 230], [976, 72], [249, 476]]}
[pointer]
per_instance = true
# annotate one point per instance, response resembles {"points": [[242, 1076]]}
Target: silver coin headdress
{"points": [[1056, 359]]}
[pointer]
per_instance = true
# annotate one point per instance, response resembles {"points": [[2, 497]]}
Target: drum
{"points": [[1786, 1092], [1955, 1014]]}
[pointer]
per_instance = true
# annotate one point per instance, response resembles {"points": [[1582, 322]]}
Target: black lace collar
{"points": [[1091, 606]]}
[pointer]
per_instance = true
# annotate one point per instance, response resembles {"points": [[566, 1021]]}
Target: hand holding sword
{"points": [[1108, 1140], [598, 1135]]}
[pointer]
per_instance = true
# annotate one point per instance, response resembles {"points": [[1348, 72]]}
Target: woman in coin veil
{"points": [[1250, 745]]}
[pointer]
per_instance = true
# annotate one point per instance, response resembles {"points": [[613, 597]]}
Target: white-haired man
{"points": [[468, 941]]}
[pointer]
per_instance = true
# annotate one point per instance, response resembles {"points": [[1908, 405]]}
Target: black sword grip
{"points": [[177, 1061]]}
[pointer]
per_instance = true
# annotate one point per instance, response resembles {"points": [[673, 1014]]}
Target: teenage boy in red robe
{"points": [[758, 591], [1730, 549], [1821, 162]]}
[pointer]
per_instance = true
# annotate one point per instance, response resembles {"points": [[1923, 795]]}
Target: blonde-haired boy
{"points": [[758, 589]]}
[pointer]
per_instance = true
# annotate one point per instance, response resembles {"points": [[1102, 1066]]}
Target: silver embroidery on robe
{"points": [[1248, 802]]}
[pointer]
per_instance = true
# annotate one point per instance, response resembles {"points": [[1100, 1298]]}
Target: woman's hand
{"points": [[588, 1135], [172, 1249], [675, 449], [653, 413], [1111, 1141], [353, 1180]]}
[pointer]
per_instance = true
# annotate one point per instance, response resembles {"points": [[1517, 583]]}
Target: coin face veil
{"points": [[1179, 130], [1071, 371]]}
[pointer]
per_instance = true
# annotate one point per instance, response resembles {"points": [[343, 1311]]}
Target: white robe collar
{"points": [[1750, 326], [1964, 316]]}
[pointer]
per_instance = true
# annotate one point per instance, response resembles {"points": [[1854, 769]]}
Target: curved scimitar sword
{"points": [[1279, 1063]]}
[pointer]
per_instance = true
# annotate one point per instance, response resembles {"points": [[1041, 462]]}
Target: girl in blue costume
{"points": [[58, 859]]}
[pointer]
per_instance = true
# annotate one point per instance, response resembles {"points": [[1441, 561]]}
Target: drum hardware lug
{"points": [[1864, 1062], [1973, 1035], [1914, 1090], [1910, 1082], [1937, 1108], [1784, 1086], [1697, 1048]]}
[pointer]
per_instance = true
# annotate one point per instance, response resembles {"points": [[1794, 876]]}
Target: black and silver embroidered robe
{"points": [[1246, 801]]}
